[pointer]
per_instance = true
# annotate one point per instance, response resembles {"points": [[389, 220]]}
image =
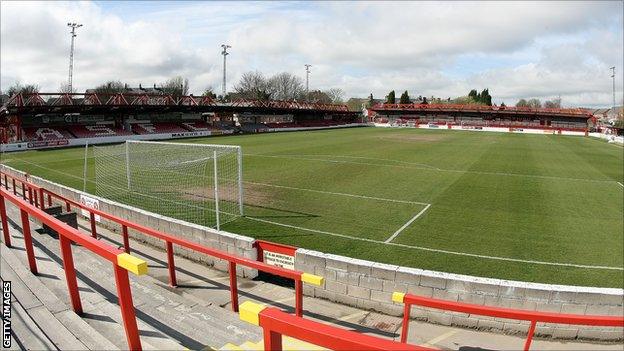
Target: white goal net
{"points": [[197, 183]]}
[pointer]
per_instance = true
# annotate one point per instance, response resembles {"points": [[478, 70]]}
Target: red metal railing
{"points": [[233, 260], [122, 262], [276, 323], [572, 112], [533, 316]]}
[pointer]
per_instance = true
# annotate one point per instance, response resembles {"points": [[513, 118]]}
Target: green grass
{"points": [[543, 198]]}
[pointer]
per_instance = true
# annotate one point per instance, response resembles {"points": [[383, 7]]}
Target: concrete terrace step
{"points": [[100, 316], [288, 344], [41, 320], [192, 324]]}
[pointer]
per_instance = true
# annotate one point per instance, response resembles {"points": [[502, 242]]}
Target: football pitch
{"points": [[540, 208]]}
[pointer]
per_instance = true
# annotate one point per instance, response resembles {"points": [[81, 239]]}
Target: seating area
{"points": [[98, 130], [157, 128], [46, 133]]}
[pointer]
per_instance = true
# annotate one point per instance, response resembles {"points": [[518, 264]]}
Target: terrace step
{"points": [[40, 319], [166, 319]]}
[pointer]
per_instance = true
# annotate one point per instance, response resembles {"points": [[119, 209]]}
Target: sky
{"points": [[444, 49]]}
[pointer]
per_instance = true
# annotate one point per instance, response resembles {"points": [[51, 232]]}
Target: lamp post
{"points": [[224, 53], [307, 67], [73, 27]]}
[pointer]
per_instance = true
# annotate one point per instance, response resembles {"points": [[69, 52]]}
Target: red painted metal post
{"points": [[93, 229], [124, 230], [171, 264], [30, 195], [234, 288], [527, 344], [298, 298], [272, 340], [406, 319], [124, 295], [41, 200], [30, 252], [23, 191], [5, 224], [70, 273], [14, 188]]}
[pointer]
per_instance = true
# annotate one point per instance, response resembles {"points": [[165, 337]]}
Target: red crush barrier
{"points": [[120, 260], [276, 323], [499, 312], [233, 260]]}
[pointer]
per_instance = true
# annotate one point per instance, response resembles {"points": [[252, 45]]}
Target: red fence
{"points": [[276, 323], [122, 262], [233, 260], [508, 313]]}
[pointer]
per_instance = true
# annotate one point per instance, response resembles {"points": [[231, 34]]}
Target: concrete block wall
{"points": [[370, 285], [220, 240]]}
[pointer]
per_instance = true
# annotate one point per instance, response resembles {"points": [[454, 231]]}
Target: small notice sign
{"points": [[279, 260], [90, 202]]}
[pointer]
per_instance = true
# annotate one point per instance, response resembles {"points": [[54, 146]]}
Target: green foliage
{"points": [[405, 99], [390, 99], [371, 101], [522, 103]]}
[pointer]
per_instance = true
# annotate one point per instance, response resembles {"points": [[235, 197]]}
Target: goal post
{"points": [[198, 183]]}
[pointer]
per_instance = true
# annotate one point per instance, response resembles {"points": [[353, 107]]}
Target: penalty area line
{"points": [[622, 185], [407, 224], [496, 258]]}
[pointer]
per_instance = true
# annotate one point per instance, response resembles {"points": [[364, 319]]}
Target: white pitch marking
{"points": [[407, 224], [622, 185], [428, 168], [340, 194], [544, 263]]}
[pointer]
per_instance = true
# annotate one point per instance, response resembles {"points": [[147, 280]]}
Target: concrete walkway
{"points": [[197, 314]]}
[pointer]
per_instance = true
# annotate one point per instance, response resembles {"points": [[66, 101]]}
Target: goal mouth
{"points": [[197, 183]]}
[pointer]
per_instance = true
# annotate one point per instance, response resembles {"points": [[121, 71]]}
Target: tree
{"points": [[503, 104], [473, 94], [522, 103], [405, 99], [371, 101], [534, 103], [110, 87], [210, 93], [285, 86], [17, 88], [554, 103], [390, 99], [64, 89], [253, 85], [336, 95], [424, 101], [176, 86], [318, 96]]}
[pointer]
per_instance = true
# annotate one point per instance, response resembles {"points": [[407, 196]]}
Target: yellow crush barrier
{"points": [[248, 312], [312, 279], [132, 264], [398, 297]]}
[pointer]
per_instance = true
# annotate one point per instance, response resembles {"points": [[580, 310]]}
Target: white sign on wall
{"points": [[279, 260], [90, 202]]}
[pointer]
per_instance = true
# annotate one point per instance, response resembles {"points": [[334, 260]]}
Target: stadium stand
{"points": [[98, 130], [46, 133], [157, 127]]}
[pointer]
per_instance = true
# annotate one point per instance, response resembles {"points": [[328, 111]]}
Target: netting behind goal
{"points": [[197, 183]]}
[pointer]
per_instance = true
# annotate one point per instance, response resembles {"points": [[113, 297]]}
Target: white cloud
{"points": [[541, 49]]}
